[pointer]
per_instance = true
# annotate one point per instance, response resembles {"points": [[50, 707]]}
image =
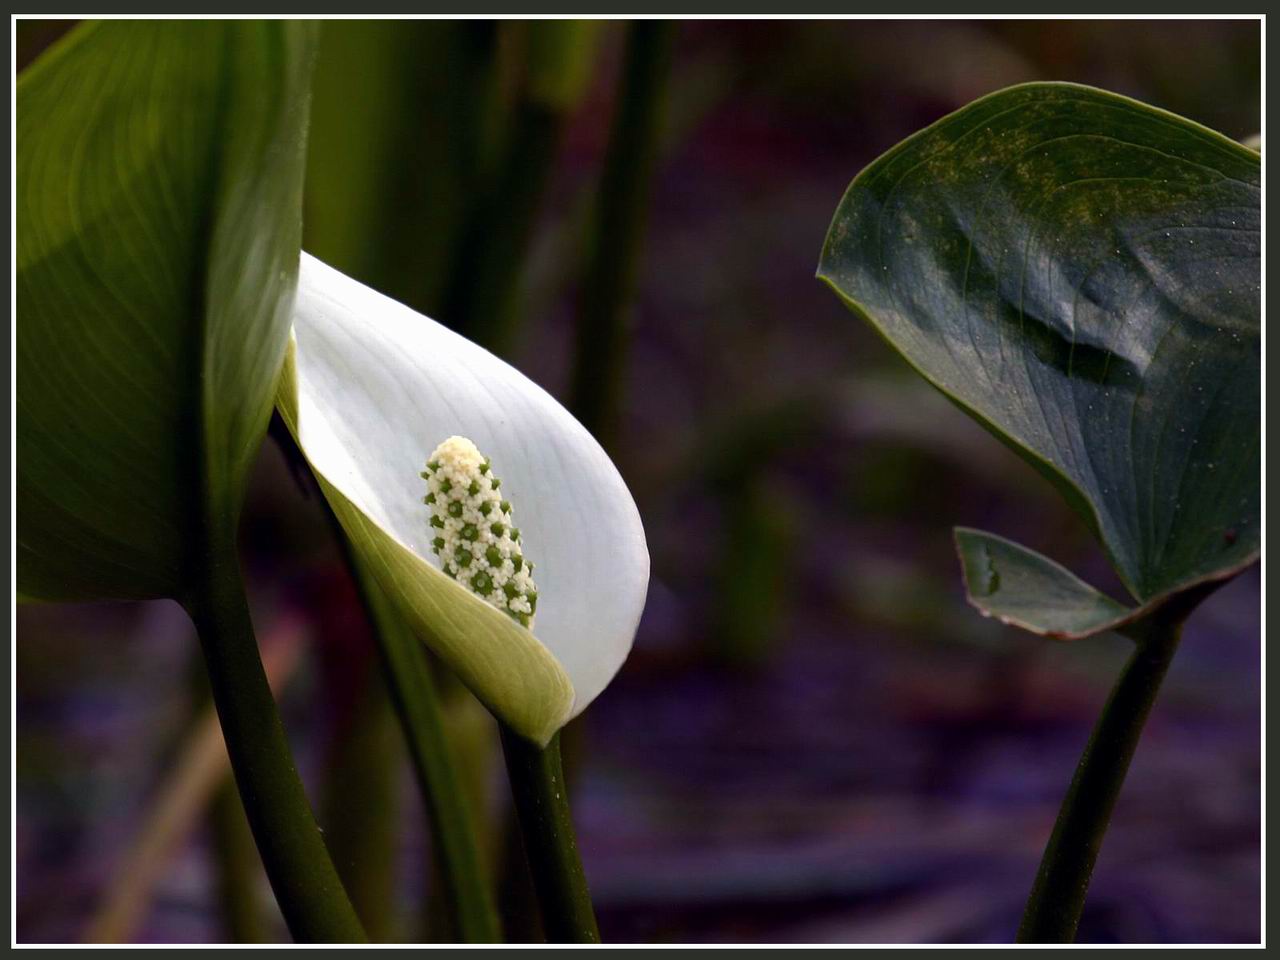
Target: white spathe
{"points": [[371, 389]]}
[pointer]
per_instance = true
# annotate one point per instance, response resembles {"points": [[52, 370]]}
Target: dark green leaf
{"points": [[1081, 273], [158, 206], [1020, 587]]}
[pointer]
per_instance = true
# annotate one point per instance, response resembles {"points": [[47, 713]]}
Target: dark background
{"points": [[815, 739]]}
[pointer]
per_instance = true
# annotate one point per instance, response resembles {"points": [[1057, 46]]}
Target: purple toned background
{"points": [[815, 739]]}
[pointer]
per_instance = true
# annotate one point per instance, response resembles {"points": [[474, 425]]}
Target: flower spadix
{"points": [[376, 393], [475, 536]]}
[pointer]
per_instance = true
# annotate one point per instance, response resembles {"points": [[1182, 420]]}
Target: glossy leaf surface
{"points": [[1020, 587], [1081, 273]]}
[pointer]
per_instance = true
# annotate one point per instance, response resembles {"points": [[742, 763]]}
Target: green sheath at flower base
{"points": [[475, 541]]}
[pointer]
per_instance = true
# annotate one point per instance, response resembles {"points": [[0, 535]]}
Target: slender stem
{"points": [[361, 798], [753, 572], [1057, 897], [542, 807], [413, 692], [481, 293], [235, 858], [237, 866], [617, 229], [480, 297], [416, 700], [306, 885]]}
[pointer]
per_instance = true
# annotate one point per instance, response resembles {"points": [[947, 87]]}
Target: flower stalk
{"points": [[479, 547], [459, 863], [542, 808], [454, 832]]}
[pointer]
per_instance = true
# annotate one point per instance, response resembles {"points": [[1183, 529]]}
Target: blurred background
{"points": [[815, 738]]}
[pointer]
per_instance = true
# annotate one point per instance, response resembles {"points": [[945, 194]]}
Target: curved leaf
{"points": [[371, 390], [1020, 587], [158, 206], [1081, 273], [1025, 589]]}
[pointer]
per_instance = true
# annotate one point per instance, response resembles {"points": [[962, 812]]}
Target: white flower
{"points": [[370, 390]]}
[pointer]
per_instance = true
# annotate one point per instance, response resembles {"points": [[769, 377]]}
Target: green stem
{"points": [[414, 694], [417, 704], [542, 807], [480, 299], [361, 802], [617, 230], [1057, 897], [237, 866], [306, 885], [480, 295], [235, 858], [753, 573]]}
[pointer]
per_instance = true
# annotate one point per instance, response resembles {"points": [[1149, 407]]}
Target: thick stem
{"points": [[1057, 897], [542, 807], [617, 230], [306, 885]]}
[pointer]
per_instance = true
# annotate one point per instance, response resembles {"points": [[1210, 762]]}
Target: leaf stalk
{"points": [[1057, 897], [306, 884]]}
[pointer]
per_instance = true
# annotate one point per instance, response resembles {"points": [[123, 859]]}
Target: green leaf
{"points": [[370, 389], [1020, 587], [1081, 273], [159, 174]]}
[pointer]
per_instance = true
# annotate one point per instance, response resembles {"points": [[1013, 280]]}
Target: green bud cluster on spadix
{"points": [[473, 535]]}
